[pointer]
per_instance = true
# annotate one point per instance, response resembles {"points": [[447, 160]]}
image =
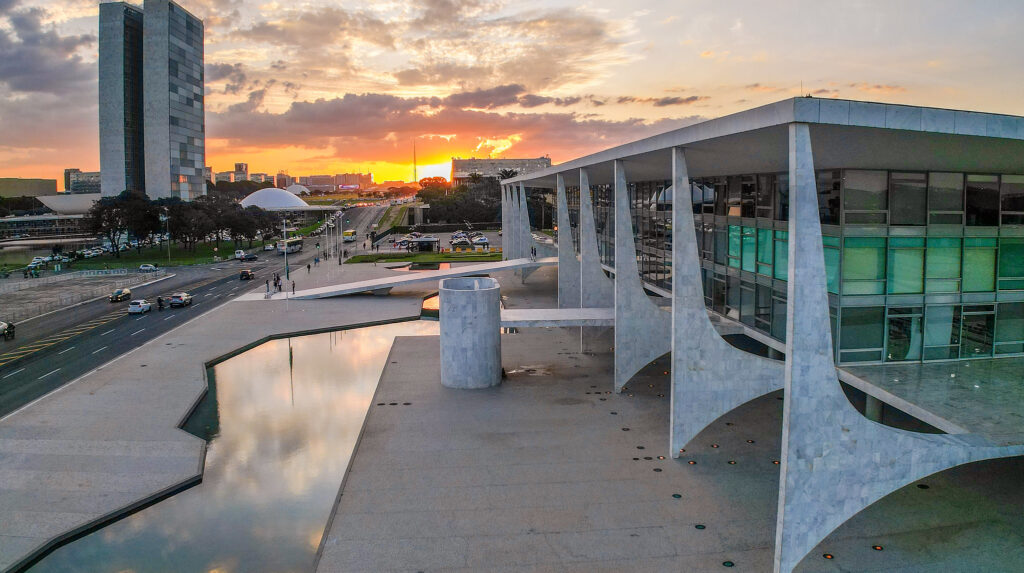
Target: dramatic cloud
{"points": [[233, 76], [369, 124], [486, 99], [36, 59], [662, 101], [319, 27]]}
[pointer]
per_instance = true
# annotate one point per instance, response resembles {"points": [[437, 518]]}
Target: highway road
{"points": [[93, 334]]}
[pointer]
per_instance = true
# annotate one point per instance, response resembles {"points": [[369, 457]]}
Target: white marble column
{"points": [[568, 264], [641, 328], [710, 377], [835, 462], [596, 289]]}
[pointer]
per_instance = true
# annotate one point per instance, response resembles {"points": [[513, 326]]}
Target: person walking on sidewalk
{"points": [[308, 268], [293, 287]]}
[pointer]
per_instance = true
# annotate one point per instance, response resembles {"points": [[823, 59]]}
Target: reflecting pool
{"points": [[282, 421]]}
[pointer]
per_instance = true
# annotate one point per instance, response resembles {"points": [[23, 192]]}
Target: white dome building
{"points": [[274, 199], [298, 189]]}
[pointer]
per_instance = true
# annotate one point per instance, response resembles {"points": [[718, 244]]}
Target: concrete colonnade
{"points": [[835, 462]]}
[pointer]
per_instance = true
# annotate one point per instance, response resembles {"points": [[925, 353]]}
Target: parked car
{"points": [[180, 299], [461, 242], [139, 306], [239, 254], [249, 257], [269, 247], [147, 268], [120, 294], [480, 241], [246, 275]]}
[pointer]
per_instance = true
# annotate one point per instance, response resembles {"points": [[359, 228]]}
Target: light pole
{"points": [[167, 229], [284, 241]]}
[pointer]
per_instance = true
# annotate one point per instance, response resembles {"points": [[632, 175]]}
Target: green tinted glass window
{"points": [[906, 265], [749, 248], [1011, 264], [735, 245], [862, 329], [781, 254], [979, 265], [864, 265], [941, 332], [765, 250], [943, 265]]}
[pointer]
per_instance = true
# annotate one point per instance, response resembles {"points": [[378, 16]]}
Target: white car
{"points": [[481, 241], [139, 306], [239, 254], [147, 268]]}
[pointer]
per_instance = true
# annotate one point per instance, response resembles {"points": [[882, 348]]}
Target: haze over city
{"points": [[333, 87]]}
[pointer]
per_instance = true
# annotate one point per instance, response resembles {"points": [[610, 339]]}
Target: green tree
{"points": [[108, 218], [507, 173]]}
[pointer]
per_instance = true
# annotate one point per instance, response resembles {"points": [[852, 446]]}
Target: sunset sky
{"points": [[321, 86]]}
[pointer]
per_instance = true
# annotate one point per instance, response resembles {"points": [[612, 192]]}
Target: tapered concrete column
{"points": [[834, 461], [641, 328], [514, 214], [568, 264], [596, 289], [505, 222], [710, 377], [470, 315]]}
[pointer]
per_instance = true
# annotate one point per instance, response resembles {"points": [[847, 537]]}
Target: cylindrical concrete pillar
{"points": [[470, 315]]}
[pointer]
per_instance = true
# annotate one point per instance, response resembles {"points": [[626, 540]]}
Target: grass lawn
{"points": [[432, 257], [131, 259]]}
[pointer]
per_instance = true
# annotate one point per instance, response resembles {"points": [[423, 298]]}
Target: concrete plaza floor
{"points": [[548, 472], [553, 472]]}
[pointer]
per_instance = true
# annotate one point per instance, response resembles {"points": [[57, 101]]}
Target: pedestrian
{"points": [[308, 268], [293, 287], [268, 286]]}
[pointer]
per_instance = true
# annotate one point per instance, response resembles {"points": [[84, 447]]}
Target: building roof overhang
{"points": [[849, 134]]}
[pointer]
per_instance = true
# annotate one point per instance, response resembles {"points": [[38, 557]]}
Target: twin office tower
{"points": [[152, 127]]}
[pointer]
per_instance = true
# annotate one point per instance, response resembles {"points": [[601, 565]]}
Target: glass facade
{"points": [[920, 265], [185, 85], [134, 135]]}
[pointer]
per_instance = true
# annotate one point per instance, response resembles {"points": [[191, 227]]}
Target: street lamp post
{"points": [[167, 229], [284, 236]]}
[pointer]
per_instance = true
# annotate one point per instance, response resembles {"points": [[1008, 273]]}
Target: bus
{"points": [[292, 245], [348, 236]]}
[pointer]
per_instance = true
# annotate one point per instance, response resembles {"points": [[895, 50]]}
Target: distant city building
{"points": [[152, 124], [361, 180], [283, 180], [261, 178], [15, 187], [224, 177], [84, 182], [208, 173], [67, 176], [301, 180], [490, 168], [49, 225], [241, 172], [322, 183]]}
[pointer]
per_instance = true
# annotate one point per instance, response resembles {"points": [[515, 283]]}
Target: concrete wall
{"points": [[111, 99], [156, 101]]}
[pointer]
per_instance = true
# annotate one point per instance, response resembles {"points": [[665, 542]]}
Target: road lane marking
{"points": [[137, 331], [107, 332], [66, 350], [208, 294], [13, 373], [169, 317], [47, 374], [99, 349]]}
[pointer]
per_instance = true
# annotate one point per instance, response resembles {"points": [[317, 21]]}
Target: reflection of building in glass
{"points": [[152, 125], [83, 181]]}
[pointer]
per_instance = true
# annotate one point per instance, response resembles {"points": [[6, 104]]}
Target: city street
{"points": [[55, 349]]}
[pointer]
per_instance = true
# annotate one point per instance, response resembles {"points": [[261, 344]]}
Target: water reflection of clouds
{"points": [[286, 434]]}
